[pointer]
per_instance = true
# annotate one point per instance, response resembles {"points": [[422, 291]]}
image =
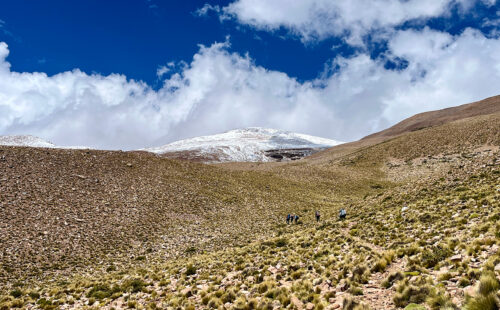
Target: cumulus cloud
{"points": [[351, 19], [219, 90]]}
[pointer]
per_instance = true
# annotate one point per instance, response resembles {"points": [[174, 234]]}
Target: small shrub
{"points": [[281, 242], [34, 295], [431, 257], [190, 270], [133, 285], [16, 293], [100, 291]]}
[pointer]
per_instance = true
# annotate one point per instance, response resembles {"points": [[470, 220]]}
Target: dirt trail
{"points": [[374, 294]]}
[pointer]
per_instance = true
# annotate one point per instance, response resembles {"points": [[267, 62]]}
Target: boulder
{"points": [[470, 290], [186, 292], [296, 302], [456, 258]]}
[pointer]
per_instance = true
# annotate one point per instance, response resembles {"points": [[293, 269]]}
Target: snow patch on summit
{"points": [[25, 140], [244, 145], [32, 141]]}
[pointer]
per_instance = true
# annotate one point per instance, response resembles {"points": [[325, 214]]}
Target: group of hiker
{"points": [[290, 218]]}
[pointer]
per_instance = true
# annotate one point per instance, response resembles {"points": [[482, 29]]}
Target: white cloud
{"points": [[204, 10], [162, 70], [489, 2], [216, 92], [449, 71], [318, 19], [220, 90]]}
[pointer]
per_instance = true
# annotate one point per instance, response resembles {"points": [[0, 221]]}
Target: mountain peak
{"points": [[25, 140], [253, 144]]}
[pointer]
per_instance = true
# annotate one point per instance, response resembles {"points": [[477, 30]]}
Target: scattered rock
{"points": [[296, 302], [456, 258]]}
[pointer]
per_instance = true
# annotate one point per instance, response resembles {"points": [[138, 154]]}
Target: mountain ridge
{"points": [[252, 144]]}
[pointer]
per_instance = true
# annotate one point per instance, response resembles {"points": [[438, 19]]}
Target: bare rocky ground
{"points": [[103, 230]]}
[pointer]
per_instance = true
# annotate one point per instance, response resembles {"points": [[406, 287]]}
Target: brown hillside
{"points": [[82, 228], [440, 117], [415, 123], [64, 210]]}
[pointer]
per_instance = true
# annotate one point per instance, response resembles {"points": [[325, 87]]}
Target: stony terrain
{"points": [[117, 230]]}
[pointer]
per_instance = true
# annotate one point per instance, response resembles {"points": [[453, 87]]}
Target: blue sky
{"points": [[88, 72], [135, 37]]}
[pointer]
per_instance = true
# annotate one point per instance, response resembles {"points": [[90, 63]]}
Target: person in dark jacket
{"points": [[288, 218], [317, 216], [342, 214], [296, 218]]}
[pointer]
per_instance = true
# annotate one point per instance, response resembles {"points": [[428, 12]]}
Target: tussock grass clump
{"points": [[101, 291], [360, 274], [488, 283], [481, 302], [435, 254], [351, 304], [190, 270], [393, 278], [407, 294], [16, 293], [438, 300], [133, 285]]}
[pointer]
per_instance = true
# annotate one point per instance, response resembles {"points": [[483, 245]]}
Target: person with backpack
{"points": [[317, 216], [288, 218], [342, 214], [296, 218]]}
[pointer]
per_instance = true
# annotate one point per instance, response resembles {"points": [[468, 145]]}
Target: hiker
{"points": [[288, 218], [317, 216], [296, 218], [342, 214]]}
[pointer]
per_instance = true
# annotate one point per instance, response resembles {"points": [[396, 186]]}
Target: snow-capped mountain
{"points": [[25, 140], [32, 141], [245, 145]]}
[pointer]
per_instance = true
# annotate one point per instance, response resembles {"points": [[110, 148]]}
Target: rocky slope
{"points": [[245, 145], [435, 118], [100, 230]]}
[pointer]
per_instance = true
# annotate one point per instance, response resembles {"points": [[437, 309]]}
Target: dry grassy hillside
{"points": [[417, 122], [435, 118], [91, 229], [62, 210]]}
